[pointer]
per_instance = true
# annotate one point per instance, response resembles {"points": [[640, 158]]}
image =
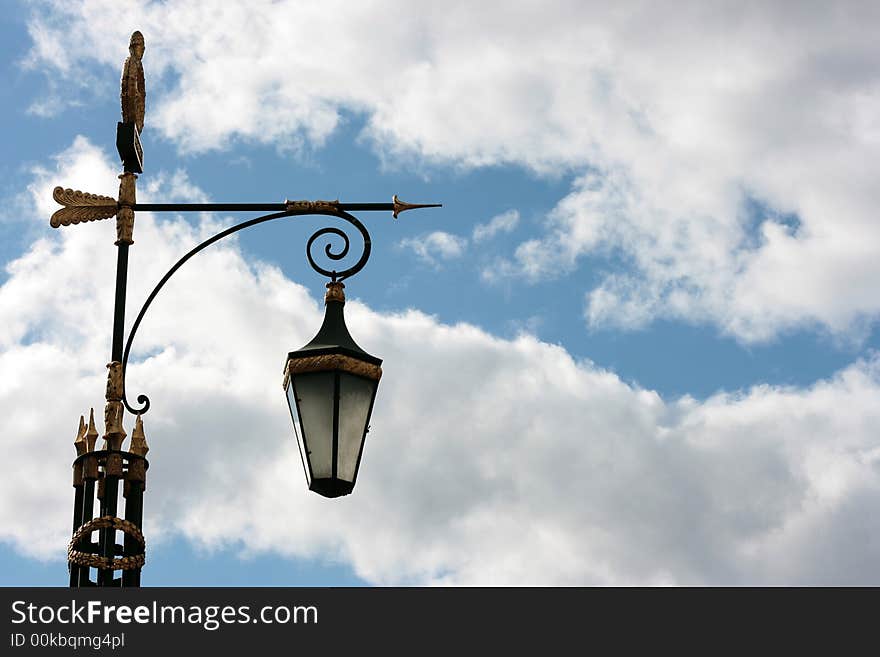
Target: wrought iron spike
{"points": [[138, 438], [402, 206], [80, 442], [92, 433]]}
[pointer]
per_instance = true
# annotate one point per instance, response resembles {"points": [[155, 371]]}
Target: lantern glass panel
{"points": [[297, 429], [355, 402], [315, 394]]}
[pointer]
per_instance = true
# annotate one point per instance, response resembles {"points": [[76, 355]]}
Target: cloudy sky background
{"points": [[638, 345]]}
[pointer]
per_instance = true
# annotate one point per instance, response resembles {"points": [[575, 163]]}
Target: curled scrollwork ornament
{"points": [[342, 252]]}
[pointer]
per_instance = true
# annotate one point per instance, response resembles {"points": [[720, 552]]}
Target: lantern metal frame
{"points": [[332, 352]]}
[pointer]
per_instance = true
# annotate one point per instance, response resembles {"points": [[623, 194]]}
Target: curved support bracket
{"points": [[294, 209]]}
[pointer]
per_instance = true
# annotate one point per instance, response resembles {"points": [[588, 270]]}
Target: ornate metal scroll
{"points": [[328, 248]]}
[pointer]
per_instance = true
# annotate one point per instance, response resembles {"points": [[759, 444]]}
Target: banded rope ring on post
{"points": [[80, 558]]}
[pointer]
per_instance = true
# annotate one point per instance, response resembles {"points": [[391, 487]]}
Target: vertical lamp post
{"points": [[330, 383]]}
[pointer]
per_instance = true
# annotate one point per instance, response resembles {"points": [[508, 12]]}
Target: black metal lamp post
{"points": [[331, 382]]}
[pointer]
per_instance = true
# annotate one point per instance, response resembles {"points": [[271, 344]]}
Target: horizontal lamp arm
{"points": [[81, 207], [396, 206]]}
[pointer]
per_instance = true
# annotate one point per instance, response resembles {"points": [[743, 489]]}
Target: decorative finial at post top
{"points": [[92, 433], [80, 445], [80, 442], [138, 438], [132, 97], [133, 90], [136, 44], [137, 468]]}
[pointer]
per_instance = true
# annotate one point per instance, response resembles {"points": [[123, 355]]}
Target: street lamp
{"points": [[330, 382]]}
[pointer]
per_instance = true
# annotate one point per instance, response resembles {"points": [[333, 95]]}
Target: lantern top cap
{"points": [[333, 336]]}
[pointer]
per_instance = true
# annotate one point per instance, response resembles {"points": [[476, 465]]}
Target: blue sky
{"points": [[659, 367]]}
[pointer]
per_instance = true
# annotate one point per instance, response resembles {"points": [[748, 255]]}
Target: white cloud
{"points": [[435, 246], [500, 223], [678, 114], [508, 463]]}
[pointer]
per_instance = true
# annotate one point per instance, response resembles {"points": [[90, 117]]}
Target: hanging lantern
{"points": [[331, 385]]}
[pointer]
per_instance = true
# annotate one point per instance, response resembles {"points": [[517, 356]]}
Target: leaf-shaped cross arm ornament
{"points": [[80, 207]]}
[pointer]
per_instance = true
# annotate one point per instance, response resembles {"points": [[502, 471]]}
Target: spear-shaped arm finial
{"points": [[401, 206]]}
